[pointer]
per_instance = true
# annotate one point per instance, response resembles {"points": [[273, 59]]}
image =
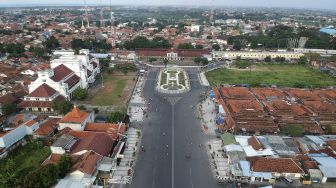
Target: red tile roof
{"points": [[7, 98], [75, 116], [97, 141], [109, 128], [87, 163], [255, 143], [278, 165], [47, 127], [40, 104], [44, 91], [30, 123], [60, 72], [73, 80]]}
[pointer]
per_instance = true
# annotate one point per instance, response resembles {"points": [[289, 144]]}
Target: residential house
{"points": [[76, 119]]}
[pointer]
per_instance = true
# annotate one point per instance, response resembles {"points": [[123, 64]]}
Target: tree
{"points": [[45, 176], [303, 60], [64, 165], [51, 43], [62, 107], [80, 93], [8, 109], [197, 60], [268, 59], [152, 59], [294, 130], [185, 46], [116, 117], [204, 61], [216, 47], [165, 62]]}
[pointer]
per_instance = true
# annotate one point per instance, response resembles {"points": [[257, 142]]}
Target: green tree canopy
{"points": [[294, 130], [8, 109], [80, 93], [115, 117], [62, 107]]}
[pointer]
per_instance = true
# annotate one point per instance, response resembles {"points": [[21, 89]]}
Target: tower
{"points": [[101, 14], [112, 27], [86, 14]]}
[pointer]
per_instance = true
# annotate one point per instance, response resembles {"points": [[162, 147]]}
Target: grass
{"points": [[25, 160], [282, 75], [114, 91]]}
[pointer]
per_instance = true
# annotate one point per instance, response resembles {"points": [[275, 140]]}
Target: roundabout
{"points": [[173, 81]]}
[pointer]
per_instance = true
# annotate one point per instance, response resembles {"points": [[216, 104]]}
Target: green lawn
{"points": [[283, 75], [116, 90], [21, 161]]}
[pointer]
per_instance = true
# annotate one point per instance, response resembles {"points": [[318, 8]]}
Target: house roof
{"points": [[97, 141], [254, 142], [40, 104], [30, 123], [73, 80], [332, 144], [109, 128], [60, 72], [279, 165], [44, 91], [87, 162], [75, 116], [7, 98], [47, 127]]}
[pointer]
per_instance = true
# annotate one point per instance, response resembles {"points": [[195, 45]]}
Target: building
{"points": [[255, 55], [41, 99], [171, 54], [67, 73], [76, 119], [278, 167]]}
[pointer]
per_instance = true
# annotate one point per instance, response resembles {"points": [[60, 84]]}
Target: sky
{"points": [[315, 4]]}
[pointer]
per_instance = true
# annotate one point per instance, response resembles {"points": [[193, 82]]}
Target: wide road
{"points": [[172, 131]]}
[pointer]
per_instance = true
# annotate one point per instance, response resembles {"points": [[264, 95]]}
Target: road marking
{"points": [[173, 135], [153, 183], [192, 185]]}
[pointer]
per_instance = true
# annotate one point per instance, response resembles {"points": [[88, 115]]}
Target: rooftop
{"points": [[75, 116]]}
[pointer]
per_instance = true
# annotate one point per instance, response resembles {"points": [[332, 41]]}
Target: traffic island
{"points": [[173, 81]]}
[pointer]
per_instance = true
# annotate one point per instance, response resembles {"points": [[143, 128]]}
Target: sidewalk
{"points": [[137, 105], [208, 114]]}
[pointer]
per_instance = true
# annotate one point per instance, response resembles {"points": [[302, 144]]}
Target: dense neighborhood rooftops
{"points": [[47, 127], [268, 94], [87, 162], [114, 130], [236, 93], [303, 94]]}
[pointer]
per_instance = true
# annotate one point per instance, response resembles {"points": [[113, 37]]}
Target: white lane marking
{"points": [[173, 135]]}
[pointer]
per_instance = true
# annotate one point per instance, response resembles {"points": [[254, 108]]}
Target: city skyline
{"points": [[323, 4]]}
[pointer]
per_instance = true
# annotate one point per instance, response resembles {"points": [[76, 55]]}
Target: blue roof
{"points": [[329, 31]]}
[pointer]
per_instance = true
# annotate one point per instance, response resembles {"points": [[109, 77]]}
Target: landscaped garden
{"points": [[173, 79], [282, 75]]}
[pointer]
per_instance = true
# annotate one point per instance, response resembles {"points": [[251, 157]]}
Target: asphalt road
{"points": [[171, 132]]}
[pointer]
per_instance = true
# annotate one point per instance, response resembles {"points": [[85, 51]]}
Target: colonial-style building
{"points": [[67, 73], [171, 54]]}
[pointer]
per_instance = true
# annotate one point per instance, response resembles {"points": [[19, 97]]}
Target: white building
{"points": [[256, 55], [68, 72], [76, 120]]}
